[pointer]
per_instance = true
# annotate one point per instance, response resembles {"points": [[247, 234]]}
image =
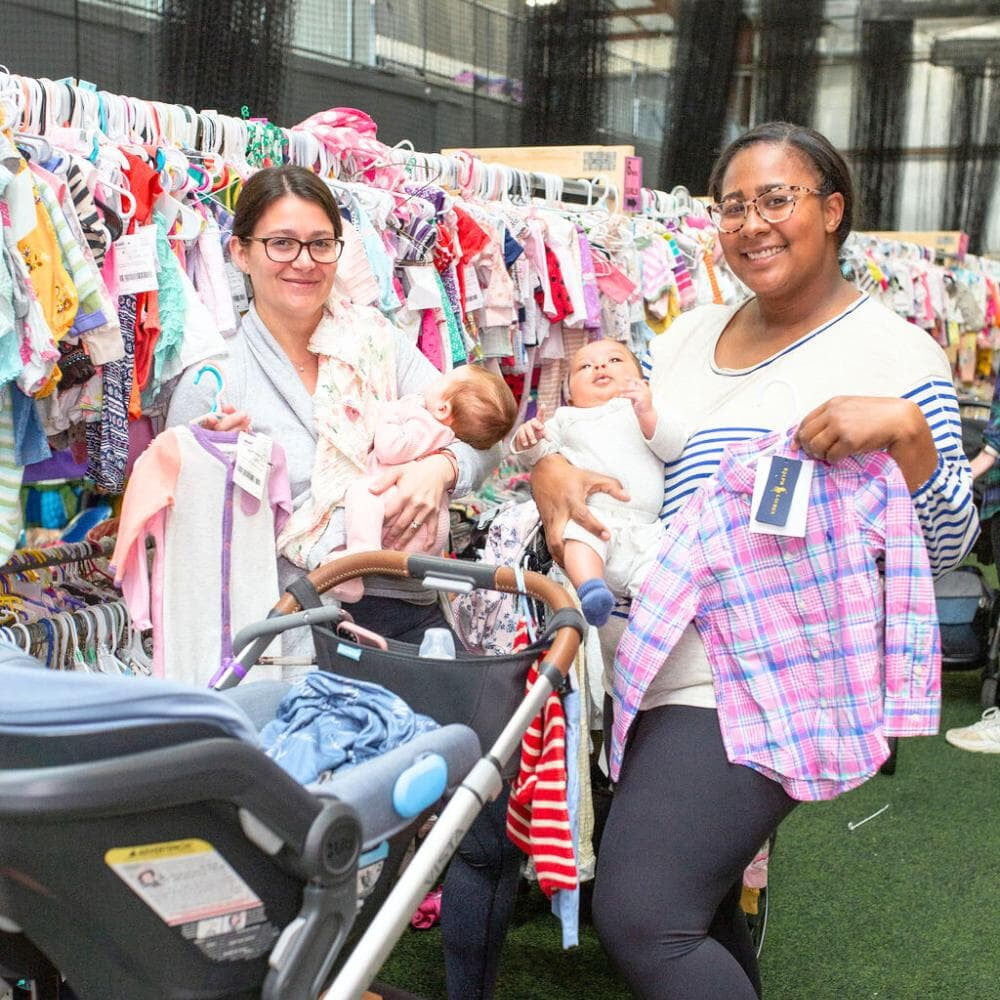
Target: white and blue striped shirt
{"points": [[864, 351]]}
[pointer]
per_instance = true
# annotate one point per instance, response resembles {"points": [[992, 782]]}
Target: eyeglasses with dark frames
{"points": [[773, 206], [285, 249]]}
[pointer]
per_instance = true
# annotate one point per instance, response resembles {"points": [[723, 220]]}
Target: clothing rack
{"points": [[55, 638], [56, 555], [571, 165], [62, 638]]}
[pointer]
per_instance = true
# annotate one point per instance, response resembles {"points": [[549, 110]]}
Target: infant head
{"points": [[475, 403], [599, 371]]}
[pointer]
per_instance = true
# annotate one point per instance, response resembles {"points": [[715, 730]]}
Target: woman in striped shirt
{"points": [[807, 350]]}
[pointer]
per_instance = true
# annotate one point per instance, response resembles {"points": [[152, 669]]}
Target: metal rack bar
{"points": [[57, 555]]}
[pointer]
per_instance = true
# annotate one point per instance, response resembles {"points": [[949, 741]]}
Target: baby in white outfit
{"points": [[609, 427]]}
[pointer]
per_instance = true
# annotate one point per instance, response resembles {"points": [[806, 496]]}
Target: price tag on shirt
{"points": [[253, 453], [474, 298], [135, 260], [237, 287], [781, 496]]}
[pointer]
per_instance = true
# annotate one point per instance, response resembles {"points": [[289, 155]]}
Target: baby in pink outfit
{"points": [[468, 403]]}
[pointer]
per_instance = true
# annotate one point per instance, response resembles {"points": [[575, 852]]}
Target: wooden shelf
{"points": [[563, 161]]}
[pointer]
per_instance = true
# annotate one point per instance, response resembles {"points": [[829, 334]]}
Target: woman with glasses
{"points": [[807, 350], [304, 354]]}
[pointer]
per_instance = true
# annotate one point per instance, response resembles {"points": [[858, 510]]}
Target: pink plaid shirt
{"points": [[820, 647]]}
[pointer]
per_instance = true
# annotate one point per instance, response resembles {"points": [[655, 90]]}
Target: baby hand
{"points": [[638, 392], [530, 432]]}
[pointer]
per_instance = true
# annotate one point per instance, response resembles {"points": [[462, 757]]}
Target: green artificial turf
{"points": [[904, 907]]}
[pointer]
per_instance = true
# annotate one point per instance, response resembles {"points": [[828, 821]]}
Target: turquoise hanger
{"points": [[212, 370]]}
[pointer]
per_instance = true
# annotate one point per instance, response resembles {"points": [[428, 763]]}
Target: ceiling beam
{"points": [[910, 10], [968, 51], [640, 36], [656, 7]]}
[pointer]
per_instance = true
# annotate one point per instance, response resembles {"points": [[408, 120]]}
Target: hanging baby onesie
{"points": [[215, 569]]}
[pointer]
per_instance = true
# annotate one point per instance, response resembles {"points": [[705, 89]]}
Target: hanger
{"points": [[135, 652], [126, 200], [26, 640], [191, 222], [34, 147], [219, 386], [551, 185], [77, 661], [11, 99]]}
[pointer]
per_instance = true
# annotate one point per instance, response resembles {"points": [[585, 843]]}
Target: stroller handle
{"points": [[462, 575]]}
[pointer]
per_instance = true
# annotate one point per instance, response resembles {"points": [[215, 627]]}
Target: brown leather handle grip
{"points": [[402, 564]]}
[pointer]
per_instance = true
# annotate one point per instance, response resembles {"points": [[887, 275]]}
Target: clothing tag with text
{"points": [[135, 259], [781, 496], [237, 287], [474, 298], [253, 453]]}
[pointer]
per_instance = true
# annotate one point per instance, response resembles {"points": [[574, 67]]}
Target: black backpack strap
{"points": [[304, 592], [308, 597]]}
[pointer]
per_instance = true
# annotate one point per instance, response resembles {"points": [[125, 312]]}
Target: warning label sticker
{"points": [[189, 885]]}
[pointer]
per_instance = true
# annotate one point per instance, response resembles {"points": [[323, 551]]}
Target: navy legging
{"points": [[684, 824]]}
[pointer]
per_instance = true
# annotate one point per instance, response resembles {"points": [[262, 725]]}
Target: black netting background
{"points": [[226, 54], [880, 111], [707, 41], [973, 152], [565, 73], [789, 59]]}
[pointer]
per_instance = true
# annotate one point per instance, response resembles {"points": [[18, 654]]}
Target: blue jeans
{"points": [[477, 903]]}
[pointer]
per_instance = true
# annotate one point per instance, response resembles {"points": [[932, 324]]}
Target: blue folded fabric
{"points": [[327, 722]]}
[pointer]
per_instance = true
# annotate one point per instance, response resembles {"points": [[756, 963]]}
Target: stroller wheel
{"points": [[758, 922], [988, 692]]}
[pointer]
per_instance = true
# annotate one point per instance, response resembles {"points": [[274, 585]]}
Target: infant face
{"points": [[599, 372]]}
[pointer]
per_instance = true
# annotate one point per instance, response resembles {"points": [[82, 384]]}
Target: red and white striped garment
{"points": [[537, 814]]}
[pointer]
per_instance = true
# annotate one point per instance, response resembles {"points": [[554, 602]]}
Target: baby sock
{"points": [[596, 601]]}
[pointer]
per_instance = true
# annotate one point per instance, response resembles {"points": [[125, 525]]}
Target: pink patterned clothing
{"points": [[357, 371], [820, 647], [405, 431]]}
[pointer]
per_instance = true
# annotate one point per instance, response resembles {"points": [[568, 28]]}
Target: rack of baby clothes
{"points": [[60, 605], [955, 298], [114, 277]]}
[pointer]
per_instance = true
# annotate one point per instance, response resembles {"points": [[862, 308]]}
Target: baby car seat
{"points": [[150, 851]]}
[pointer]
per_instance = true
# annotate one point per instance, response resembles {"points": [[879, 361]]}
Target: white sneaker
{"points": [[982, 736]]}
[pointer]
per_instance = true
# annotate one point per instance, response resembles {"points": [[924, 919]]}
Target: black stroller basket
{"points": [[476, 691], [150, 850]]}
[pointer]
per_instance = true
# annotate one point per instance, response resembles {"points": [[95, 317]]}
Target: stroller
{"points": [[968, 609], [149, 849]]}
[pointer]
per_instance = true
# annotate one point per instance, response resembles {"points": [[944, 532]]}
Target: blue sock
{"points": [[596, 601]]}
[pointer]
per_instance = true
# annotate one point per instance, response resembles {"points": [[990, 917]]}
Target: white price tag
{"points": [[781, 496], [237, 287], [135, 260], [474, 298], [253, 453]]}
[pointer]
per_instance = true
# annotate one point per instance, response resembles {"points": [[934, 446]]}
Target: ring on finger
{"points": [[415, 524]]}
